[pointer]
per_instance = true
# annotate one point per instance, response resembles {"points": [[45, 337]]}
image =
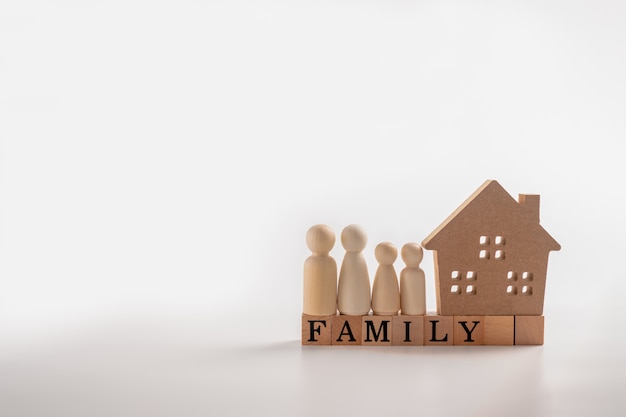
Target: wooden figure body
{"points": [[320, 273], [353, 295], [413, 281], [385, 292]]}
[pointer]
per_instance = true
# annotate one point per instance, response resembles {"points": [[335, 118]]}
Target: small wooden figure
{"points": [[320, 273], [385, 292], [413, 281], [353, 296]]}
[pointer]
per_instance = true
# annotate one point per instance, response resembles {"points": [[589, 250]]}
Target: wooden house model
{"points": [[491, 255]]}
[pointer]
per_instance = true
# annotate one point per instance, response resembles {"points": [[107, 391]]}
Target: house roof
{"points": [[491, 201]]}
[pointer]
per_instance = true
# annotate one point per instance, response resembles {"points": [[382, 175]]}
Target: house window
{"points": [[470, 278], [485, 241], [511, 279]]}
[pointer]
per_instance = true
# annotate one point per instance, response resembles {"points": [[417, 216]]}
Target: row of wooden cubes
{"points": [[428, 330]]}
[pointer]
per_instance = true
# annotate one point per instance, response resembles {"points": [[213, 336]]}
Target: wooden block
{"points": [[377, 330], [438, 330], [408, 330], [346, 330], [529, 330], [469, 330], [316, 330], [499, 330]]}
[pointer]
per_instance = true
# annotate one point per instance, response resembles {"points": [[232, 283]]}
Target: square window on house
{"points": [[511, 276], [484, 240], [499, 255], [511, 290], [470, 289], [527, 290], [455, 275], [471, 275], [527, 276], [499, 241], [455, 289], [483, 254]]}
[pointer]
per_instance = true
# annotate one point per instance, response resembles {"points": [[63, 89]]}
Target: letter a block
{"points": [[316, 330], [377, 330], [499, 330], [469, 330], [408, 330], [346, 330], [529, 330], [438, 330]]}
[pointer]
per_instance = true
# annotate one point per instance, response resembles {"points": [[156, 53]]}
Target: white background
{"points": [[161, 162]]}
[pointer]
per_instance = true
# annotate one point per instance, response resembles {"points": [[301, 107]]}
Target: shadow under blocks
{"points": [[490, 258]]}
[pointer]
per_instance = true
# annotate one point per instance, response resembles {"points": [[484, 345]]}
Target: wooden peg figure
{"points": [[413, 281], [385, 292], [320, 273], [353, 295]]}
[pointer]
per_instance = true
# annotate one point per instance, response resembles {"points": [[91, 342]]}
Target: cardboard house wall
{"points": [[491, 255]]}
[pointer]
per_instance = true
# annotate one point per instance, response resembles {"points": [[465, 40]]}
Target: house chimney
{"points": [[530, 203]]}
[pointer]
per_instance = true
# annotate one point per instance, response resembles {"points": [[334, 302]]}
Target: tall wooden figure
{"points": [[385, 292], [353, 296], [320, 273], [413, 281]]}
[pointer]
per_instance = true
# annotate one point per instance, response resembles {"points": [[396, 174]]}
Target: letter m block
{"points": [[377, 330]]}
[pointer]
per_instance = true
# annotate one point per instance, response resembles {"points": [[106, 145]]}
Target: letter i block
{"points": [[346, 330], [438, 330], [529, 330], [377, 330], [408, 330], [499, 330], [469, 330], [316, 330]]}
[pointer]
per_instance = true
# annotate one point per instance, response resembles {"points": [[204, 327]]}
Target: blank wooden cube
{"points": [[438, 330], [529, 330], [469, 330], [316, 330], [376, 330], [346, 330], [499, 330], [408, 330]]}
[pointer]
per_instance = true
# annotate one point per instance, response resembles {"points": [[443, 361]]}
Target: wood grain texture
{"points": [[376, 330], [346, 330], [316, 330], [353, 293], [385, 290], [438, 330], [499, 330], [408, 330], [412, 281], [469, 330], [320, 273], [529, 330]]}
